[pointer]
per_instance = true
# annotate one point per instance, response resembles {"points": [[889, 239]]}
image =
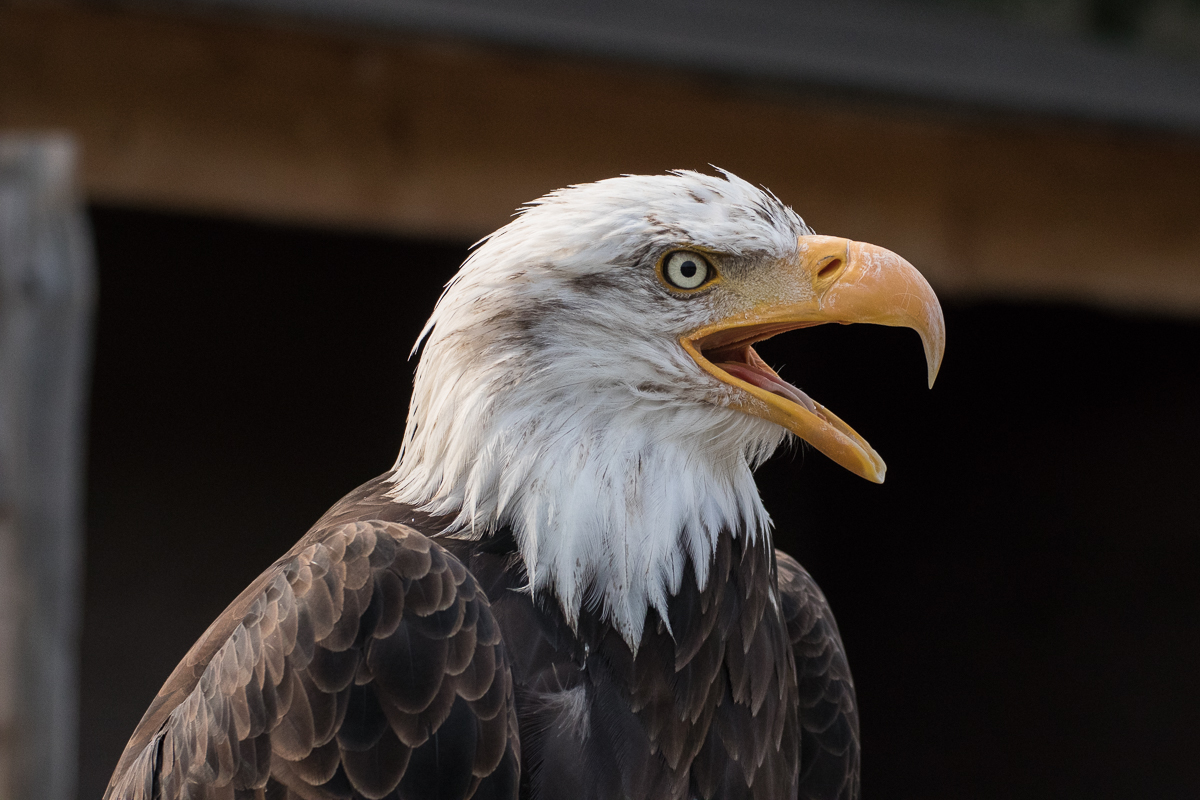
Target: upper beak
{"points": [[840, 281]]}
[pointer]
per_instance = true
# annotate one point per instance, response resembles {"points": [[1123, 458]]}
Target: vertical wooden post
{"points": [[47, 291]]}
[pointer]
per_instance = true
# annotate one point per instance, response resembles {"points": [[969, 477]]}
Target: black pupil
{"points": [[688, 269]]}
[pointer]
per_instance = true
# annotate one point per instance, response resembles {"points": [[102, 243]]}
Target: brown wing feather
{"points": [[829, 740], [365, 663]]}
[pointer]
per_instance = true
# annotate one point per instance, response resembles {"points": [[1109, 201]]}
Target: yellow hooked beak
{"points": [[850, 282]]}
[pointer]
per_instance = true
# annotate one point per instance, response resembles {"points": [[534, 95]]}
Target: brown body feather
{"points": [[372, 661]]}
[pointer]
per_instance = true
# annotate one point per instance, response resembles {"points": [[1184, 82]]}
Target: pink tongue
{"points": [[772, 383]]}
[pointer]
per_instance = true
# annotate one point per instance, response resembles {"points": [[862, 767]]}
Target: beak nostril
{"points": [[830, 269]]}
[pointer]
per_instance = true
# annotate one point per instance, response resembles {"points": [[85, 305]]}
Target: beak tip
{"points": [[933, 360], [876, 472], [933, 338]]}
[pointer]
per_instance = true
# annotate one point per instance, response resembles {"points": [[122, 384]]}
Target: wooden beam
{"points": [[46, 296], [435, 138]]}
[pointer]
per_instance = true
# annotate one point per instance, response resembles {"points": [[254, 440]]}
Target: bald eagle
{"points": [[566, 586]]}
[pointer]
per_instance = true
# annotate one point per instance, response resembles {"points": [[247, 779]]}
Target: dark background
{"points": [[1019, 600]]}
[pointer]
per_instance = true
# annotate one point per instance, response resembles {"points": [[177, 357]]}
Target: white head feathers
{"points": [[553, 396]]}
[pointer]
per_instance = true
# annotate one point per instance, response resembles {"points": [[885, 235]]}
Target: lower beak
{"points": [[850, 282]]}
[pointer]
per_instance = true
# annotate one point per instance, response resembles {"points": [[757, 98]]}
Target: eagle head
{"points": [[588, 379]]}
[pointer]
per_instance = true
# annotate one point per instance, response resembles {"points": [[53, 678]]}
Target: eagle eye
{"points": [[684, 269]]}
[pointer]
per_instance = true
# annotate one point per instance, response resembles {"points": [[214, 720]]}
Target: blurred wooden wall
{"points": [[445, 139], [46, 298]]}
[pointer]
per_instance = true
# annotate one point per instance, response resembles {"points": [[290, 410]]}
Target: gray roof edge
{"points": [[856, 45]]}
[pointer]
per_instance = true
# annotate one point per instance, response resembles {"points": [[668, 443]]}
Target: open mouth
{"points": [[727, 353], [739, 360]]}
